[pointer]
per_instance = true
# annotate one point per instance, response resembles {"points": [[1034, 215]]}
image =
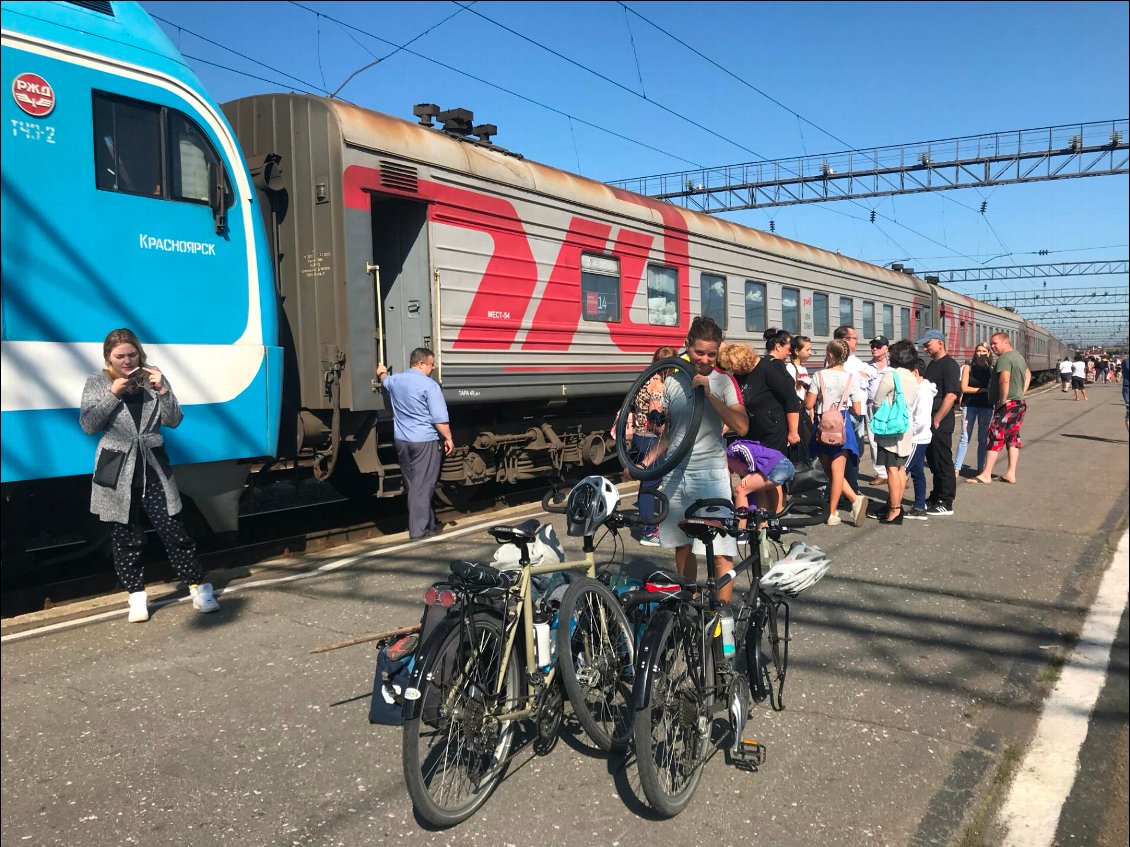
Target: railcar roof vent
{"points": [[460, 125], [102, 7], [457, 121], [399, 177]]}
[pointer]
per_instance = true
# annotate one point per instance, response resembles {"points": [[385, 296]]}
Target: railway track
{"points": [[311, 518]]}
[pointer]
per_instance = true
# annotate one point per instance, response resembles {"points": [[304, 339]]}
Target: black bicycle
{"points": [[687, 668]]}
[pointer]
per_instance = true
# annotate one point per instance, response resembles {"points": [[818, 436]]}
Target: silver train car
{"points": [[541, 292]]}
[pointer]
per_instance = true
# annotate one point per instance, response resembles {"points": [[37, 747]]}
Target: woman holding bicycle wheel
{"points": [[703, 473]]}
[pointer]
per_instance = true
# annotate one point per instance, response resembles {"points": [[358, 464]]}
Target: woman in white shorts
{"points": [[703, 473]]}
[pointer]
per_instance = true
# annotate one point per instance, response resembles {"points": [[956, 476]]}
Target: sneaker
{"points": [[202, 598], [833, 520], [940, 509], [917, 514], [650, 540], [859, 511], [138, 607], [879, 480]]}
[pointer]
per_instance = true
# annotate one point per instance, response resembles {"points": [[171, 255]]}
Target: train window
{"points": [[790, 310], [820, 324], [847, 311], [191, 154], [905, 321], [150, 150], [127, 147], [889, 321], [600, 288], [755, 317], [713, 296], [868, 319], [662, 296]]}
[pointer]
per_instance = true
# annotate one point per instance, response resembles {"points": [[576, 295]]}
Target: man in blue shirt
{"points": [[420, 422]]}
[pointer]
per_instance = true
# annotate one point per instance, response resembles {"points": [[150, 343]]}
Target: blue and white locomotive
{"points": [[126, 202]]}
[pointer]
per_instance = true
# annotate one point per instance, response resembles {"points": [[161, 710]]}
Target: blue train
{"points": [[126, 202]]}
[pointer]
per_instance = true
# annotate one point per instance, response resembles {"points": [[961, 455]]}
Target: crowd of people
{"points": [[768, 416]]}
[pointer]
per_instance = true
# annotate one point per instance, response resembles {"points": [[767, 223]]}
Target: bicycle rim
{"points": [[672, 729], [669, 458], [454, 751], [596, 656]]}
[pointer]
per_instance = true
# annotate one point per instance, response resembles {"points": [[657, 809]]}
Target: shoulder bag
{"points": [[893, 417]]}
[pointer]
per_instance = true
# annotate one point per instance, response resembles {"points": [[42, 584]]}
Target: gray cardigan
{"points": [[102, 412]]}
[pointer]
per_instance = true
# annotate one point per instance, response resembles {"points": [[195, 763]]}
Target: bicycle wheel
{"points": [[595, 656], [455, 751], [672, 730], [680, 435]]}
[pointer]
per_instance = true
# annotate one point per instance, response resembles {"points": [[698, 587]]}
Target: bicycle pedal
{"points": [[750, 752]]}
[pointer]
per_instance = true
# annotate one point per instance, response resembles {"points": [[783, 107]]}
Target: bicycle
{"points": [[473, 679], [686, 673]]}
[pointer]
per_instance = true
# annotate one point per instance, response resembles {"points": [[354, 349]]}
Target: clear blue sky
{"points": [[871, 74]]}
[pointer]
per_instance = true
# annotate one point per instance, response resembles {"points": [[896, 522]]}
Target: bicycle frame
{"points": [[522, 589]]}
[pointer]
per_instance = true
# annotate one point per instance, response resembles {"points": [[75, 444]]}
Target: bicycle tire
{"points": [[595, 657], [449, 781], [672, 458], [672, 729]]}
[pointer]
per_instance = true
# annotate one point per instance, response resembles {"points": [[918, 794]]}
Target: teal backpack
{"points": [[893, 417]]}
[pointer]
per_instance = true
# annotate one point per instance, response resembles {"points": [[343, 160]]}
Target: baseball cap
{"points": [[932, 335], [880, 341]]}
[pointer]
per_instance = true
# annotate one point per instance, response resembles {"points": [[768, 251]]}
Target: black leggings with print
{"points": [[128, 540]]}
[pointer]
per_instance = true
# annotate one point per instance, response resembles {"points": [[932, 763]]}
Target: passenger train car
{"points": [[541, 292], [126, 202]]}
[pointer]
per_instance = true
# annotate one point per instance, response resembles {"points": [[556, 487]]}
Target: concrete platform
{"points": [[918, 668]]}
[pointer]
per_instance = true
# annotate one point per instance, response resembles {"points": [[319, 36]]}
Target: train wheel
{"points": [[681, 432]]}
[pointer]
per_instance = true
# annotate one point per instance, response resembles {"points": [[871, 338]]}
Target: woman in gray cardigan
{"points": [[128, 403]]}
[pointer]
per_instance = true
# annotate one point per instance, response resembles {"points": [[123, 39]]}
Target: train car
{"points": [[542, 293], [126, 202]]}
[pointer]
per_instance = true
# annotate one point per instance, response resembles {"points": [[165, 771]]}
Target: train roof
{"points": [[374, 130], [119, 30]]}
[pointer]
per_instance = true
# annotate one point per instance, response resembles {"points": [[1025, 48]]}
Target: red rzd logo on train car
{"points": [[34, 95]]}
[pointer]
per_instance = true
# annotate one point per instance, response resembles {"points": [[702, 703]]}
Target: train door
{"points": [[400, 250]]}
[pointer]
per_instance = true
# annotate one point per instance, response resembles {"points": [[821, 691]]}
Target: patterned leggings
{"points": [[128, 540]]}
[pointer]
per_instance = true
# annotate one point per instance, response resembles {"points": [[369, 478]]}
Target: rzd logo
{"points": [[33, 95]]}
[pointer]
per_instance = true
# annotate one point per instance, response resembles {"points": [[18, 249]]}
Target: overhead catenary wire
{"points": [[670, 111], [775, 101]]}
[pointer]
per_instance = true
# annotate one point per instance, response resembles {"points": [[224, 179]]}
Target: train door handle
{"points": [[413, 307]]}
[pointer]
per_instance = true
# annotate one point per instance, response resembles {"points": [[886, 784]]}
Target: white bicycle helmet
{"points": [[590, 503], [802, 568]]}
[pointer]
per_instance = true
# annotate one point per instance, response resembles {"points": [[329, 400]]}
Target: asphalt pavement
{"points": [[918, 669]]}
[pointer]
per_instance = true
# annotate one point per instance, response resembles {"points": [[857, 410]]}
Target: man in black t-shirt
{"points": [[945, 373]]}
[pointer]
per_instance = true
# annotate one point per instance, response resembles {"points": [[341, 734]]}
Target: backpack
{"points": [[893, 417], [830, 428]]}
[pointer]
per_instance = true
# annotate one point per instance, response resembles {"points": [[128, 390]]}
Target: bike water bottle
{"points": [[543, 656], [726, 622]]}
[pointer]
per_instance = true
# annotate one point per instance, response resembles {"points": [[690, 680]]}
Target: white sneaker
{"points": [[138, 607], [859, 511], [202, 598], [833, 520]]}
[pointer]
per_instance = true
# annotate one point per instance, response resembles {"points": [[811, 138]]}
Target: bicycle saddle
{"points": [[512, 534], [702, 528]]}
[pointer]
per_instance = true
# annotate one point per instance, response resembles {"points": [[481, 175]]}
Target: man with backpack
{"points": [[945, 373]]}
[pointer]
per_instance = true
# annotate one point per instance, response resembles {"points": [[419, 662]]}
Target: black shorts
{"points": [[1079, 383]]}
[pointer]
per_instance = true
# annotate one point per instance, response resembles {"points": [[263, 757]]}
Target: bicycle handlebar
{"points": [[556, 500]]}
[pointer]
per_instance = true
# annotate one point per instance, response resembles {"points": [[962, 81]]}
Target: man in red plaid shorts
{"points": [[1006, 394]]}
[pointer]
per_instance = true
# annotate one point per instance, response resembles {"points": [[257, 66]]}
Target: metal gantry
{"points": [[954, 276], [1098, 148]]}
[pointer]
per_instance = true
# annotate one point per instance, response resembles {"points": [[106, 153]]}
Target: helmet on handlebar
{"points": [[802, 568], [590, 503]]}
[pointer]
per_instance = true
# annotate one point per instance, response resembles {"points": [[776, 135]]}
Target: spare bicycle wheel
{"points": [[675, 436]]}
